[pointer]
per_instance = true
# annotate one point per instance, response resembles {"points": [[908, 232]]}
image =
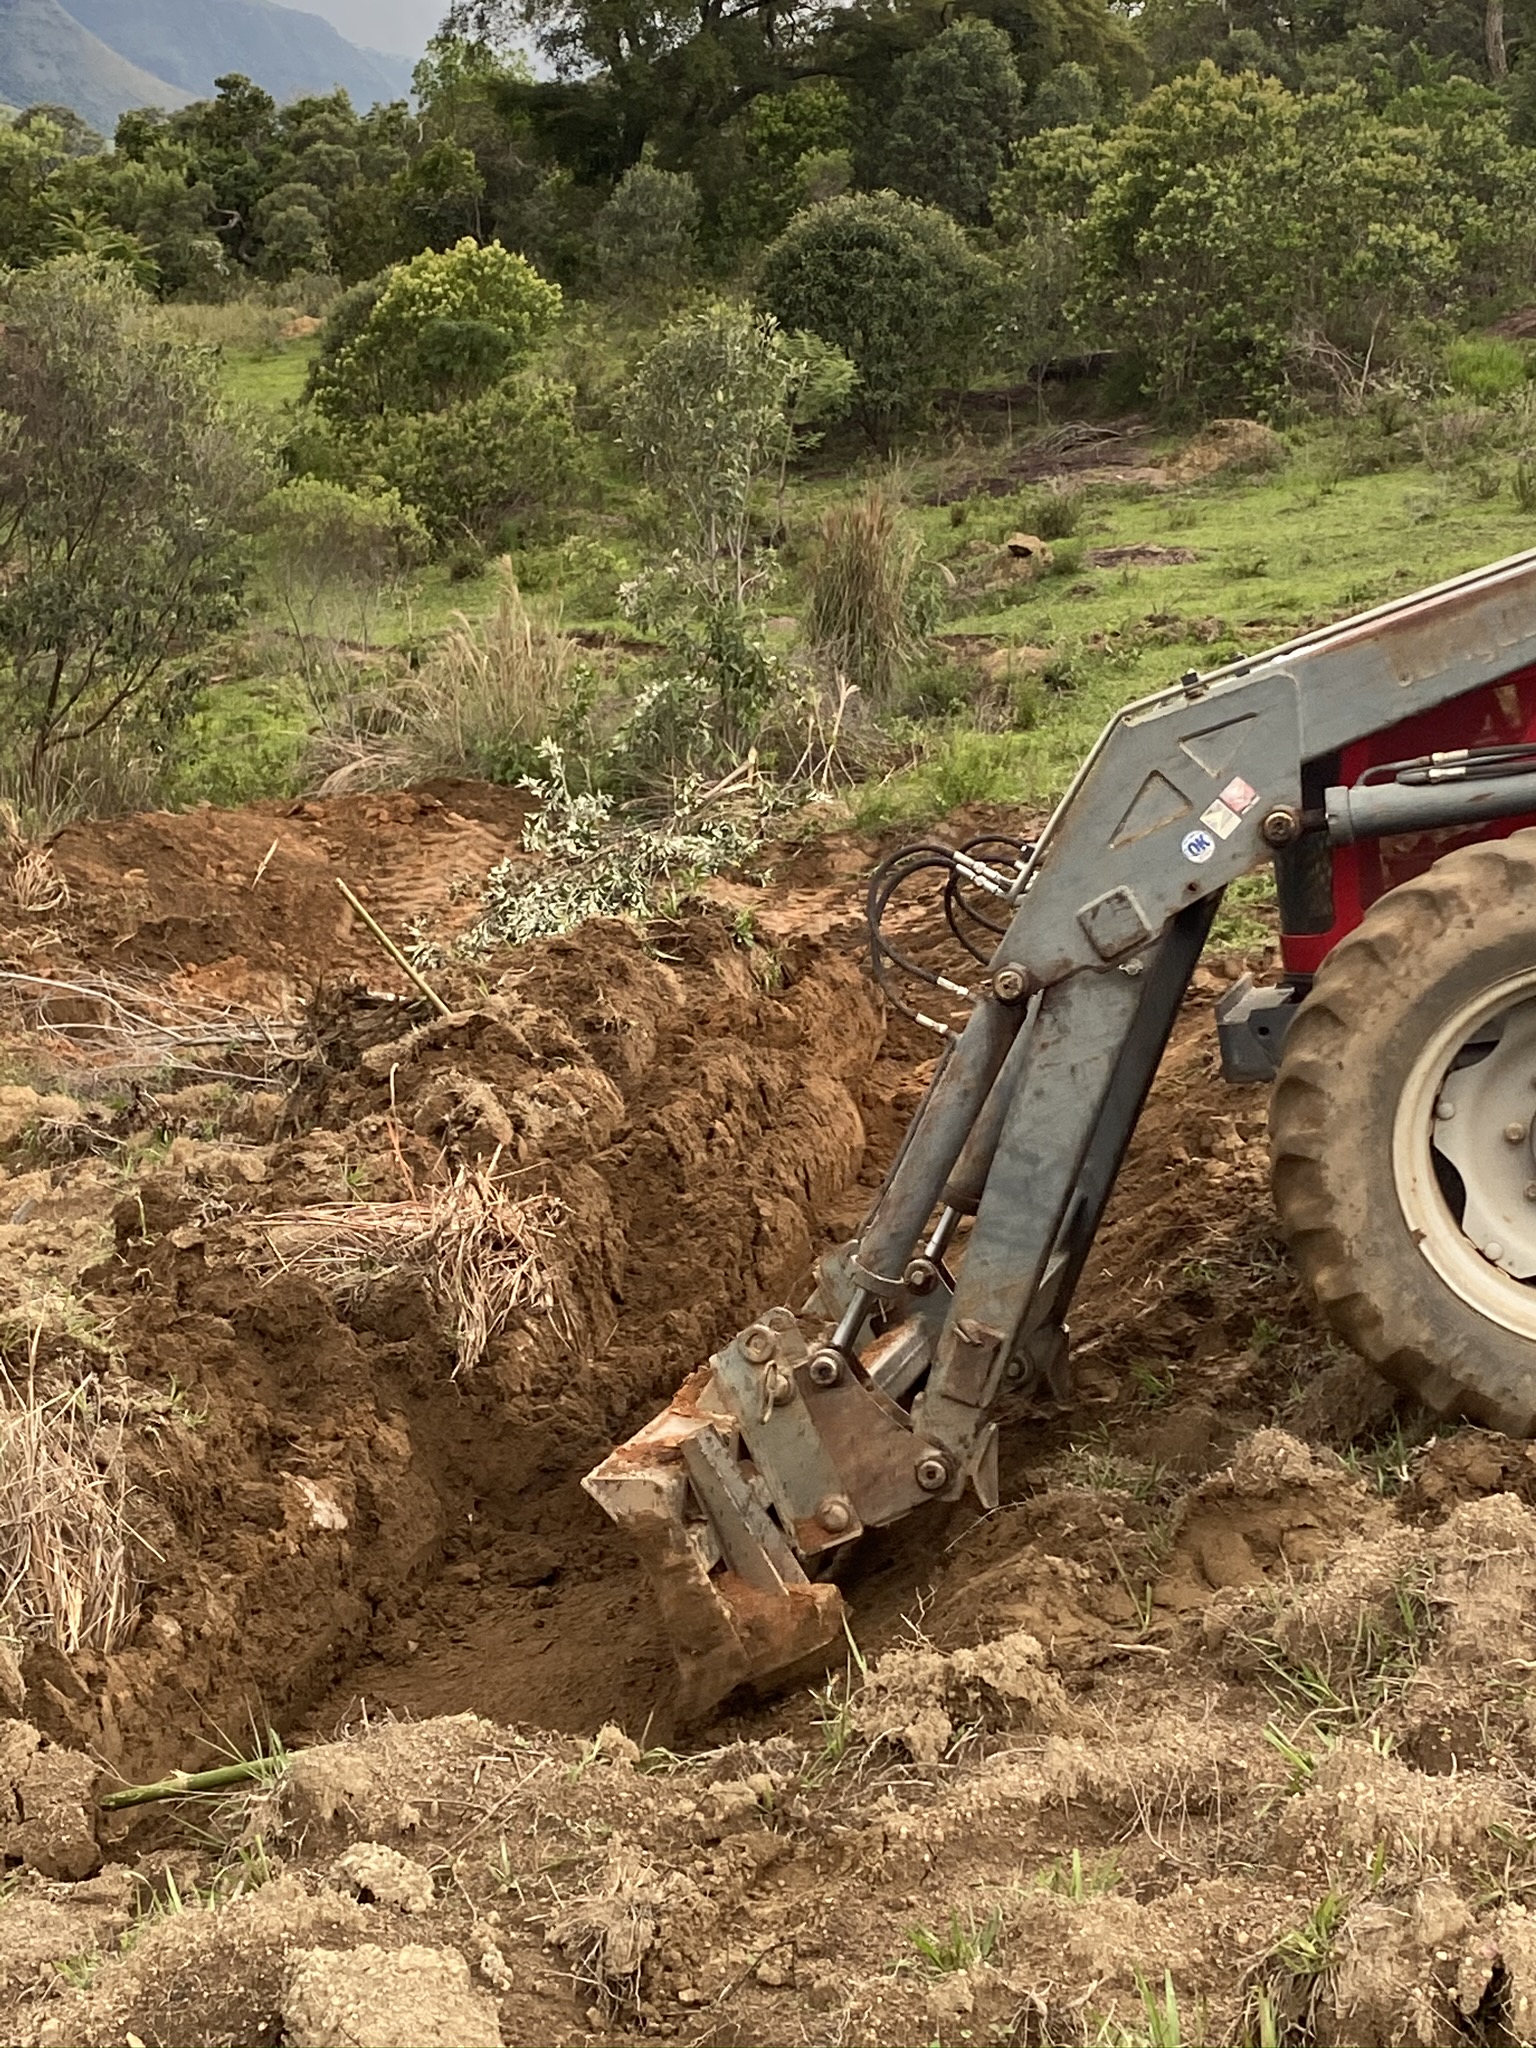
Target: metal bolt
{"points": [[834, 1514], [1493, 1250], [1010, 984], [1444, 1111], [759, 1343], [1530, 1191], [1281, 826], [921, 1276], [932, 1472], [1513, 1133], [825, 1368]]}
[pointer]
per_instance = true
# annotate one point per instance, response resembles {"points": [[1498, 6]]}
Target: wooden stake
{"points": [[394, 952]]}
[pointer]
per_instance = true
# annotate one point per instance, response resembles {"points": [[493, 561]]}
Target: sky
{"points": [[401, 26]]}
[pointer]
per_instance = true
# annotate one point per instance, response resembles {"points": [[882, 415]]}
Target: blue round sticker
{"points": [[1199, 845]]}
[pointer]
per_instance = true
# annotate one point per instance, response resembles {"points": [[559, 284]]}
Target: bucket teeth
{"points": [[734, 1599]]}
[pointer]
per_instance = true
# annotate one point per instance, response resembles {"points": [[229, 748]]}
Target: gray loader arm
{"points": [[808, 1429]]}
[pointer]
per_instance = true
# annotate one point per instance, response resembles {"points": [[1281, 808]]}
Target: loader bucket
{"points": [[737, 1605]]}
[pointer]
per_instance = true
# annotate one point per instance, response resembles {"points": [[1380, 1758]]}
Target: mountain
{"points": [[193, 42], [404, 26], [46, 54]]}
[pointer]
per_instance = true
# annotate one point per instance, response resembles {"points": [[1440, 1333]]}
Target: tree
{"points": [[959, 108], [1068, 97], [1241, 232], [124, 495], [704, 416], [442, 328], [647, 233], [894, 285]]}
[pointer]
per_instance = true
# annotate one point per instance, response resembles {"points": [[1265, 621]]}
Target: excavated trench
{"points": [[330, 1518], [341, 1515]]}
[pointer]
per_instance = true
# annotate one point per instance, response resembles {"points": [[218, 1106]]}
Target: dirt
{"points": [[1224, 1703]]}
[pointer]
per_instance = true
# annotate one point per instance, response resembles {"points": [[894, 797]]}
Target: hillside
{"points": [[46, 54], [193, 42]]}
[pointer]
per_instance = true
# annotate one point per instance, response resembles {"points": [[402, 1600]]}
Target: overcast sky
{"points": [[399, 25]]}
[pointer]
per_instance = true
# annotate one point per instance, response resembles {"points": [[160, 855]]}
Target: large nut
{"points": [[825, 1368], [759, 1343], [1281, 826], [932, 1472], [835, 1514], [921, 1276], [1010, 984]]}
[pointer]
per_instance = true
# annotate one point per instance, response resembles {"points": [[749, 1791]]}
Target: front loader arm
{"points": [[808, 1429]]}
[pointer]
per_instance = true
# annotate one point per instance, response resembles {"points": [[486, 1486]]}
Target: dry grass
{"points": [[66, 1573], [481, 1254], [119, 1029], [491, 690], [29, 881], [859, 594]]}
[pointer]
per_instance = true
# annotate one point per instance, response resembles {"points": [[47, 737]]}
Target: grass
{"points": [[962, 1943], [268, 380], [1329, 546], [1352, 1682]]}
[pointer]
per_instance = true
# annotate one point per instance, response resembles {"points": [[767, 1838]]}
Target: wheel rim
{"points": [[1464, 1153]]}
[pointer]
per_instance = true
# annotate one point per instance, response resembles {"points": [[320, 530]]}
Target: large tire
{"points": [[1357, 1177]]}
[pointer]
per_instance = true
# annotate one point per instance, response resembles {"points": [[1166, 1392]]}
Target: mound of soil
{"points": [[1231, 1686]]}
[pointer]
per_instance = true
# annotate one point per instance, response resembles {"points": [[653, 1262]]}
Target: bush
{"points": [[894, 285], [443, 328], [330, 553], [1484, 368], [647, 233], [860, 597], [472, 468]]}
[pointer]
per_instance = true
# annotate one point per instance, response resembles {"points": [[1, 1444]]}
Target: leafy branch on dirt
{"points": [[599, 862]]}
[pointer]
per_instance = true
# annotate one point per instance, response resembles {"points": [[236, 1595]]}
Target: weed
{"points": [[1161, 2024], [79, 1971], [1386, 1459], [960, 1945], [1154, 1388], [1073, 1878], [1247, 918], [1055, 511], [492, 689], [1523, 482], [1285, 1985], [1351, 1683]]}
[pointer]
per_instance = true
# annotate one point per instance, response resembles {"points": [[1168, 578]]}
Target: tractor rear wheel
{"points": [[1403, 1135]]}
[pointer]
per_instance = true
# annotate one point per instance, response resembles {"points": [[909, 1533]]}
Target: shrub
{"points": [[440, 329], [1054, 512], [490, 691], [647, 233], [330, 553], [859, 609], [471, 468], [705, 416], [124, 493], [894, 285]]}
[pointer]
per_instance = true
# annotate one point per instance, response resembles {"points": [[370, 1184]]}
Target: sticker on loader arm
{"points": [[1199, 846]]}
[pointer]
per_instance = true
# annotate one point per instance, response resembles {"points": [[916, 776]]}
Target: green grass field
{"points": [[1273, 553]]}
